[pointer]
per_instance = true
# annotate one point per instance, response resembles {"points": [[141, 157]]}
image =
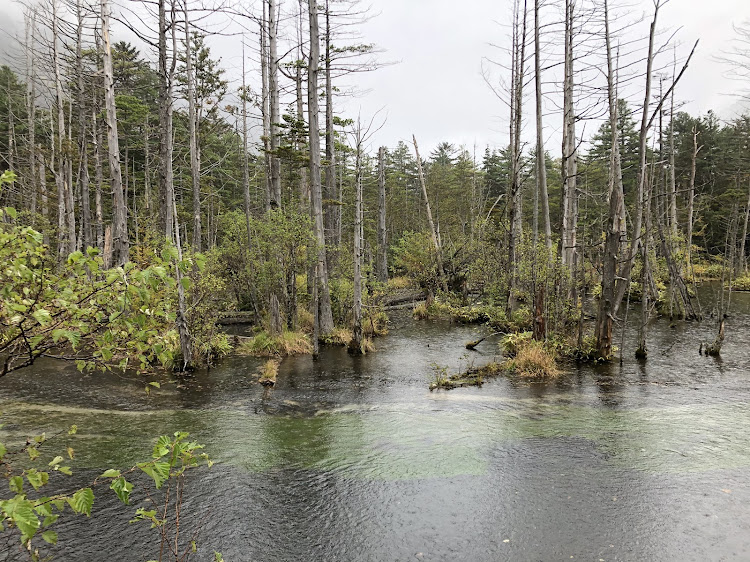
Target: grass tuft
{"points": [[533, 360], [287, 343], [268, 372]]}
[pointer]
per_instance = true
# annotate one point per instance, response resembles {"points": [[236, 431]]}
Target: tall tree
{"points": [[324, 313], [518, 77], [167, 65], [120, 241], [195, 163], [541, 167], [615, 230], [569, 148], [275, 112]]}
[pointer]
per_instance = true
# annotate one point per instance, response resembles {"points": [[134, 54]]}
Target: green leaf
{"points": [[37, 479], [16, 484], [111, 473], [186, 283], [74, 338], [155, 384], [122, 488], [158, 471], [33, 453], [82, 501], [73, 429], [50, 537], [21, 512], [11, 212], [3, 450], [42, 316], [65, 470], [162, 446], [49, 520], [56, 461], [43, 506]]}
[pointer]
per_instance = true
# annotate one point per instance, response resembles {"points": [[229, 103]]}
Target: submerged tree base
{"points": [[474, 376], [269, 371]]}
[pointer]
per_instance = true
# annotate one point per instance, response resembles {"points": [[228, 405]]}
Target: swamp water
{"points": [[354, 459]]}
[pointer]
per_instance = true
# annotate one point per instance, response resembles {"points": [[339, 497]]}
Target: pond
{"points": [[353, 458]]}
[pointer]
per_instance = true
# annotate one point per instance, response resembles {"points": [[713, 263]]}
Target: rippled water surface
{"points": [[353, 459]]}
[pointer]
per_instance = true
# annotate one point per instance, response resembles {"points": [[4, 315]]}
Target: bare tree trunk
{"points": [[355, 345], [65, 242], [332, 212], [324, 311], [186, 341], [570, 150], [382, 232], [83, 175], [166, 171], [672, 173], [691, 196], [433, 231], [304, 184], [516, 114], [31, 107], [637, 239], [265, 103], [146, 168], [615, 226], [245, 167], [195, 163], [273, 86], [11, 141], [120, 244], [641, 351], [98, 175], [541, 165], [43, 192]]}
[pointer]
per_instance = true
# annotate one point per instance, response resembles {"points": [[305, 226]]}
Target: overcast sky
{"points": [[436, 90]]}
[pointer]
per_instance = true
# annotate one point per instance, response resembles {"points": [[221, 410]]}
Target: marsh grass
{"points": [[283, 345]]}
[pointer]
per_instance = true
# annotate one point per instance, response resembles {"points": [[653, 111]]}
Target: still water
{"points": [[354, 459]]}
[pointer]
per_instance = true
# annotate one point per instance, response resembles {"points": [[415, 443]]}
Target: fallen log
{"points": [[472, 344]]}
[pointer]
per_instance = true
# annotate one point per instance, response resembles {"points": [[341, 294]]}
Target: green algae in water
{"points": [[399, 444]]}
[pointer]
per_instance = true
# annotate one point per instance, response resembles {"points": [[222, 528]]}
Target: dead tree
{"points": [[430, 221], [322, 304], [120, 243]]}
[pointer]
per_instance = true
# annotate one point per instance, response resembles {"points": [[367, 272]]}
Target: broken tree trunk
{"points": [[433, 232]]}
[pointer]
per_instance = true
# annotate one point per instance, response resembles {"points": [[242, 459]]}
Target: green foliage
{"points": [[512, 343], [414, 257], [80, 311], [28, 511], [31, 514], [282, 246], [741, 283]]}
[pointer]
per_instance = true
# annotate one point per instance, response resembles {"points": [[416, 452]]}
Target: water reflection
{"points": [[352, 458]]}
